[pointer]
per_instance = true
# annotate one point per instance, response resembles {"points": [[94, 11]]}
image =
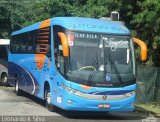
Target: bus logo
{"points": [[104, 97]]}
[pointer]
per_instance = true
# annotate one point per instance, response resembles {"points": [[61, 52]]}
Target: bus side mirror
{"points": [[64, 42], [143, 48]]}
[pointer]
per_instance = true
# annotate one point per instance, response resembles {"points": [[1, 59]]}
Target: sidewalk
{"points": [[149, 108]]}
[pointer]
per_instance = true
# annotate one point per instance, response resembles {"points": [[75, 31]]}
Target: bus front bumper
{"points": [[73, 102]]}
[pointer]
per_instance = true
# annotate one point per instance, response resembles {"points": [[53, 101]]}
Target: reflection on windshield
{"points": [[89, 61], [118, 49]]}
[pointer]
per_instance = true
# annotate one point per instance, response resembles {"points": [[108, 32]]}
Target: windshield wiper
{"points": [[94, 64], [113, 64], [116, 69]]}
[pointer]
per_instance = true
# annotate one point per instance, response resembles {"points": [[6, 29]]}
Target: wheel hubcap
{"points": [[16, 86], [49, 97], [4, 79]]}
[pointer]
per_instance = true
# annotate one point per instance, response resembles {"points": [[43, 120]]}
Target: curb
{"points": [[142, 110]]}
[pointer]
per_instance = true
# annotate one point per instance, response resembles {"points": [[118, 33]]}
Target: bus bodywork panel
{"points": [[81, 24], [72, 96], [25, 70]]}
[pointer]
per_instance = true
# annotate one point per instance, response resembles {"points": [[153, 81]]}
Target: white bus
{"points": [[4, 43]]}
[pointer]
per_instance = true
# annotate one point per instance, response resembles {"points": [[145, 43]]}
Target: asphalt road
{"points": [[28, 108]]}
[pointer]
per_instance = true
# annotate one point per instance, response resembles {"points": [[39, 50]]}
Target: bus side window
{"points": [[3, 52]]}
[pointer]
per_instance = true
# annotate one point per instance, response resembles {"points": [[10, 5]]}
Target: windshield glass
{"points": [[117, 52], [100, 60]]}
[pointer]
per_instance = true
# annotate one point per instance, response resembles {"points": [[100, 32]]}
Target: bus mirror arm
{"points": [[64, 42], [143, 48]]}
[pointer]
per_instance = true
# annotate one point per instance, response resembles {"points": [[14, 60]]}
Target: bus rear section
{"points": [[4, 43]]}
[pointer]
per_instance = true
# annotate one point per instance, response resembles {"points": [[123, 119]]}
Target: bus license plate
{"points": [[104, 105]]}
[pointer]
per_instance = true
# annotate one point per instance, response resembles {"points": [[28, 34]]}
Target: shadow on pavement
{"points": [[100, 115], [88, 115], [32, 98]]}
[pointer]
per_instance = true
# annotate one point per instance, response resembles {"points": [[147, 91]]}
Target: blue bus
{"points": [[76, 63]]}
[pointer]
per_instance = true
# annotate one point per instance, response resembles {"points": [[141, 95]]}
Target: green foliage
{"points": [[79, 8], [142, 18], [4, 19], [145, 23], [12, 17]]}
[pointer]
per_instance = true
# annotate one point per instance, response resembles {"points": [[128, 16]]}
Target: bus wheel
{"points": [[4, 80], [48, 97], [18, 92]]}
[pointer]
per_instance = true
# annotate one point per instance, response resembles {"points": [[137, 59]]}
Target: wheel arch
{"points": [[4, 73], [46, 85]]}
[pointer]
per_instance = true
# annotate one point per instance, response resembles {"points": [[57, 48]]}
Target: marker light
{"points": [[129, 94], [73, 91]]}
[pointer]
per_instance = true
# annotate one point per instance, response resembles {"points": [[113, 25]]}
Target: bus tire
{"points": [[4, 79], [17, 90], [48, 97]]}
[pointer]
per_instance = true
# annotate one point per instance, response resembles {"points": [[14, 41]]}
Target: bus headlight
{"points": [[129, 94], [73, 91]]}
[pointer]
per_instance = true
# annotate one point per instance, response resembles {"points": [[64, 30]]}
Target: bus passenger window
{"points": [[3, 52]]}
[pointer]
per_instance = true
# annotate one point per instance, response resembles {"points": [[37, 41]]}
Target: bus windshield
{"points": [[100, 60]]}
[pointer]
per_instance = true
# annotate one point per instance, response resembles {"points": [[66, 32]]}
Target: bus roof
{"points": [[81, 24], [4, 41]]}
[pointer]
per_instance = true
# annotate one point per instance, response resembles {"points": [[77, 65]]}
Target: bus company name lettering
{"points": [[94, 26], [86, 35], [34, 66]]}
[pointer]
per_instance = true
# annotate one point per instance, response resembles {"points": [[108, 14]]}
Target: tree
{"points": [[78, 8], [4, 22], [12, 16], [147, 23], [142, 17]]}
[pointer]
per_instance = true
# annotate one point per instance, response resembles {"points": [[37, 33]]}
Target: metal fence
{"points": [[148, 84]]}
